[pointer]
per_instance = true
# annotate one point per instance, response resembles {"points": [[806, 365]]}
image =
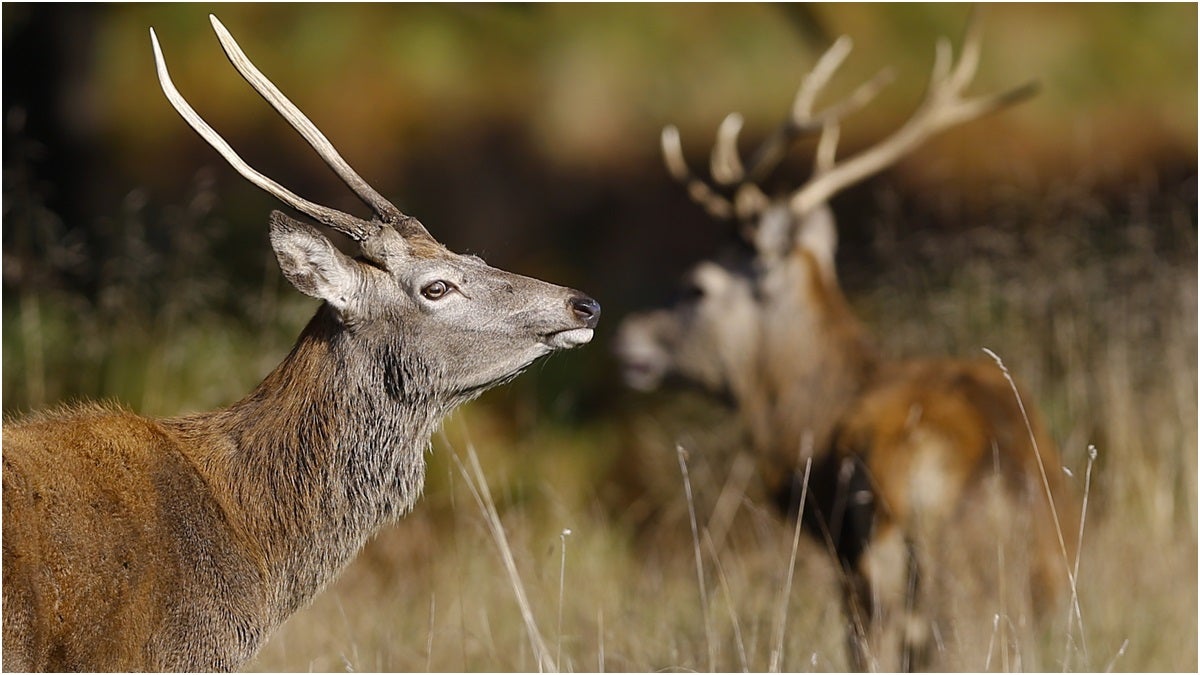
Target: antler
{"points": [[356, 228], [942, 107], [725, 163], [716, 205]]}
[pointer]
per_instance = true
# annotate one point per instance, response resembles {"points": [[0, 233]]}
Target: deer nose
{"points": [[587, 309]]}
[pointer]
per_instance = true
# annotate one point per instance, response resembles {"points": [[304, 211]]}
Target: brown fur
{"points": [[180, 544], [910, 459], [107, 522]]}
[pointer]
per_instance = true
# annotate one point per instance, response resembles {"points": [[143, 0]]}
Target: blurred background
{"points": [[1060, 233]]}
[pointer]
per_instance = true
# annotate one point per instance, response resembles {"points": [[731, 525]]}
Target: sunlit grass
{"points": [[1104, 340]]}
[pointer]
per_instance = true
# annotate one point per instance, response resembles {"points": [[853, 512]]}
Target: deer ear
{"points": [[311, 262]]}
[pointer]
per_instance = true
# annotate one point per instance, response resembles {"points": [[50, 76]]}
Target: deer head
{"points": [[472, 325], [770, 308], [191, 538]]}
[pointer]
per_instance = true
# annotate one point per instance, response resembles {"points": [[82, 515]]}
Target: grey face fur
{"points": [[702, 340], [658, 345], [473, 324], [768, 330], [712, 337], [184, 542]]}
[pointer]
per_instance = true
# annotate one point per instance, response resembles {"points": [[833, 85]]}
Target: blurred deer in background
{"points": [[901, 451], [180, 544]]}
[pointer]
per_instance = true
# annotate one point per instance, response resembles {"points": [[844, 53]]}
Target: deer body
{"points": [[180, 544], [118, 554], [910, 462]]}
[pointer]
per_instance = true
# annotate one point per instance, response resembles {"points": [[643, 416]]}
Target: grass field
{"points": [[565, 541]]}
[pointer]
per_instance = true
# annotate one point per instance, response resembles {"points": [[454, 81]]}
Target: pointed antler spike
{"points": [[864, 94], [827, 148], [726, 165], [942, 63], [335, 219], [968, 59], [803, 120], [818, 77], [672, 149], [716, 205], [300, 122], [944, 106], [356, 228]]}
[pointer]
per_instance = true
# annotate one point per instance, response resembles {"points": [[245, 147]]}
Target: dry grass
{"points": [[482, 577], [1108, 344]]}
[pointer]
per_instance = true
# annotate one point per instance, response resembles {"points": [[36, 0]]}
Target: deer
{"points": [[884, 461], [133, 543]]}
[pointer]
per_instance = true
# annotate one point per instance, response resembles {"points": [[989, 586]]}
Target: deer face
{"points": [[708, 334], [449, 322], [472, 325], [713, 335], [781, 297]]}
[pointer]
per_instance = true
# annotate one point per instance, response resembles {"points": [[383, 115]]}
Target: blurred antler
{"points": [[943, 106], [725, 163]]}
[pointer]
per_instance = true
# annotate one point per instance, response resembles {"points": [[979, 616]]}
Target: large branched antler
{"points": [[725, 162], [943, 106], [356, 228]]}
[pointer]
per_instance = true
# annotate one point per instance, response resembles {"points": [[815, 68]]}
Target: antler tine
{"points": [[968, 60], [300, 122], [672, 148], [860, 97], [771, 152], [827, 148], [954, 81], [943, 106], [726, 165], [818, 77], [356, 228], [802, 119]]}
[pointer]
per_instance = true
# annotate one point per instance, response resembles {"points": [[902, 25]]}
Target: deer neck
{"points": [[326, 450], [815, 359]]}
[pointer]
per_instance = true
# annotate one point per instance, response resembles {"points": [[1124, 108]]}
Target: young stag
{"points": [[180, 544], [903, 453]]}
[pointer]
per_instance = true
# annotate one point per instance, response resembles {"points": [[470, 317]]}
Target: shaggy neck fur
{"points": [[332, 442], [815, 358]]}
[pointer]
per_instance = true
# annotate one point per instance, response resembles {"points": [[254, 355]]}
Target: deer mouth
{"points": [[642, 365], [566, 339], [641, 375]]}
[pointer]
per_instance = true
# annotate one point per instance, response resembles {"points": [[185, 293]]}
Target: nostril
{"points": [[587, 309]]}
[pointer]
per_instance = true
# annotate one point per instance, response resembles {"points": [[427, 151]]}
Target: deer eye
{"points": [[436, 290], [690, 291]]}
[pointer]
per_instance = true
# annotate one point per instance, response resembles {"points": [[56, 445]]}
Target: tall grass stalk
{"points": [[991, 648], [600, 641], [1120, 652], [477, 483], [732, 493], [429, 640], [1071, 566], [730, 604], [1001, 583], [681, 454], [781, 617], [1092, 454], [562, 574]]}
